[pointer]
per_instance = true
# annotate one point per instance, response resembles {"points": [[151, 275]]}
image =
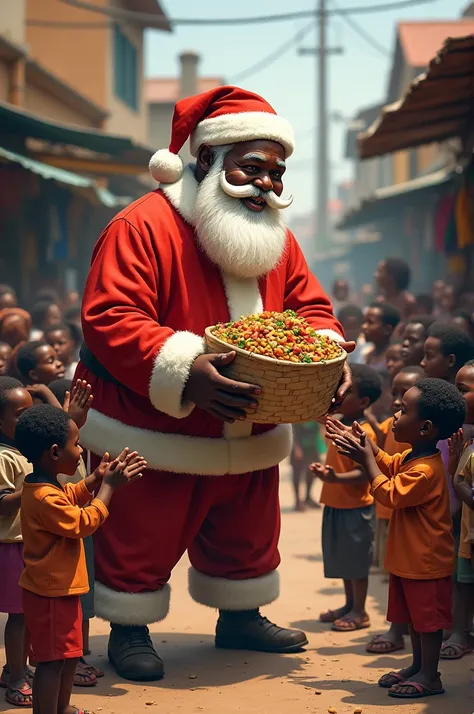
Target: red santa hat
{"points": [[225, 115]]}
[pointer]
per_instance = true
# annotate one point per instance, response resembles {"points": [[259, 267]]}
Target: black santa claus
{"points": [[209, 245]]}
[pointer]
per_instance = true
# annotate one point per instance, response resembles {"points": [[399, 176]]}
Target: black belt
{"points": [[94, 366]]}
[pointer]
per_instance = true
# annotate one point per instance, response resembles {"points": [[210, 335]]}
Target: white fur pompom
{"points": [[166, 167]]}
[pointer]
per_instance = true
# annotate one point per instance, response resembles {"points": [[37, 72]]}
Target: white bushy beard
{"points": [[240, 242]]}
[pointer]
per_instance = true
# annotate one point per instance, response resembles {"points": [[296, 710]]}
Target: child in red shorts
{"points": [[54, 521], [420, 549]]}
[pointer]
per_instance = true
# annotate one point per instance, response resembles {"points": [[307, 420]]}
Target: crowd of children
{"points": [[397, 483], [398, 477]]}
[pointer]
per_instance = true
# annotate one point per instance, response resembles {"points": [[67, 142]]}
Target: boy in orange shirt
{"points": [[348, 511], [392, 641], [54, 522], [420, 549]]}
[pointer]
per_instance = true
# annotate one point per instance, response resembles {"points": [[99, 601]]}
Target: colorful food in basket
{"points": [[280, 335]]}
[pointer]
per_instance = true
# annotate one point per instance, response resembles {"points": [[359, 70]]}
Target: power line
{"points": [[362, 9], [273, 56], [133, 16], [363, 34]]}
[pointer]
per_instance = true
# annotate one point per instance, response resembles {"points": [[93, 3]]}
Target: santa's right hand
{"points": [[226, 399]]}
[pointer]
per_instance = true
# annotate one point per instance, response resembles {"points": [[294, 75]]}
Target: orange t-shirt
{"points": [[346, 494], [420, 543], [53, 523], [391, 447]]}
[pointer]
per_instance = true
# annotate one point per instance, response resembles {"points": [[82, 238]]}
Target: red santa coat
{"points": [[150, 294]]}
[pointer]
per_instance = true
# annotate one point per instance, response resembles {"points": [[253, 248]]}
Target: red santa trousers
{"points": [[229, 525]]}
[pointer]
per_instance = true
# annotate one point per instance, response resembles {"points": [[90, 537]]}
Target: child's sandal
{"points": [[20, 695], [84, 677]]}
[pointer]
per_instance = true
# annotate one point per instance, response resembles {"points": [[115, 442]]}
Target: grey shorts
{"points": [[347, 540], [87, 600]]}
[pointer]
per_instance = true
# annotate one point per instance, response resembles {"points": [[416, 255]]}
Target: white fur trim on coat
{"points": [[171, 371], [245, 126], [182, 193], [332, 334], [131, 608], [224, 594], [165, 166], [243, 296], [188, 454]]}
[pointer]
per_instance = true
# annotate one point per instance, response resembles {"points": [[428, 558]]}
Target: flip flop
{"points": [[377, 645], [459, 650], [420, 691], [83, 711], [23, 690], [350, 624], [329, 616], [84, 677], [395, 678]]}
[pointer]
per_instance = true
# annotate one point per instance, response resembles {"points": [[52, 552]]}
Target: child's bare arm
{"points": [[9, 502], [328, 475], [41, 391], [379, 435]]}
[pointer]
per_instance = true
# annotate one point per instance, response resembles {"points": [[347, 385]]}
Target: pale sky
{"points": [[356, 79]]}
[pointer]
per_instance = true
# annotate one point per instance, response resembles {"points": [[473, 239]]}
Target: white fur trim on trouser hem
{"points": [[188, 454], [225, 594], [243, 126], [171, 371], [131, 608]]}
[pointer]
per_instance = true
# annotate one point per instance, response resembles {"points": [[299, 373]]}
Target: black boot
{"points": [[132, 654], [249, 630]]}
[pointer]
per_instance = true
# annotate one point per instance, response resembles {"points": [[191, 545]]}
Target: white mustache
{"points": [[250, 191]]}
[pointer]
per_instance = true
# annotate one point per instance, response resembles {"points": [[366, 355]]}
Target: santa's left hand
{"points": [[345, 385]]}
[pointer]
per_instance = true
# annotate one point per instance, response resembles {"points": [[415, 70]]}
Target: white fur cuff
{"points": [[171, 371], [224, 594], [332, 334], [131, 608]]}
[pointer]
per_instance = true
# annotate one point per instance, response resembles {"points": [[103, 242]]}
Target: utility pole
{"points": [[322, 178]]}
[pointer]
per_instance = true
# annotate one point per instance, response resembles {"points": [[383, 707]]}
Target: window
{"points": [[125, 69]]}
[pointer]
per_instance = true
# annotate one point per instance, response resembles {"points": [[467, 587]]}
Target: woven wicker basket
{"points": [[291, 392]]}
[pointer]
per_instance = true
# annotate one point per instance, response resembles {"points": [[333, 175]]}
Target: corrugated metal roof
{"points": [[67, 178], [437, 106], [392, 198], [19, 122]]}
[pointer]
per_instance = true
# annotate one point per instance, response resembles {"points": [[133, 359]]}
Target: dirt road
{"points": [[333, 672]]}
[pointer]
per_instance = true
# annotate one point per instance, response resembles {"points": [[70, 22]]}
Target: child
{"points": [[5, 356], [393, 358], [461, 467], [380, 323], [351, 318], [53, 522], [420, 548], [37, 363], [305, 451], [14, 400], [60, 338], [414, 338], [45, 313], [447, 348], [348, 512], [392, 641]]}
